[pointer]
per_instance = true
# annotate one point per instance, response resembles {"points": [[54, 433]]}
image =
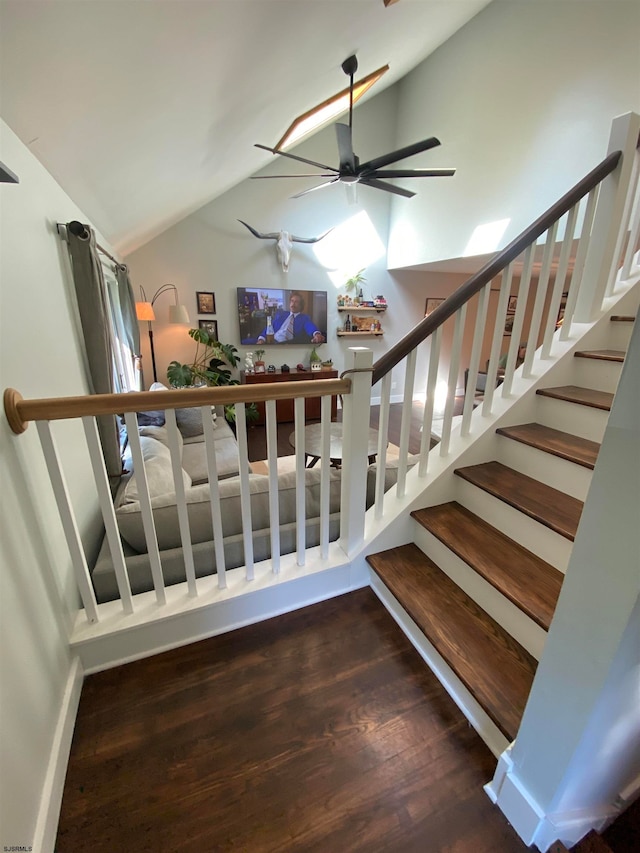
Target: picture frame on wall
{"points": [[210, 326], [206, 302], [431, 304], [508, 325], [512, 305], [561, 309]]}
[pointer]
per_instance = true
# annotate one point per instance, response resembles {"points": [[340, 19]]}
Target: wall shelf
{"points": [[352, 308], [365, 334]]}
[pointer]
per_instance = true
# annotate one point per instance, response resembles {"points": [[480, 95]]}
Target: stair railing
{"points": [[573, 272]]}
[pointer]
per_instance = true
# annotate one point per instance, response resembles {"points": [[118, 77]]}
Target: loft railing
{"points": [[573, 273]]}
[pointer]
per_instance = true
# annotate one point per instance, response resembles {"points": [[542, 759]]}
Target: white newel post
{"points": [[609, 216], [355, 429]]}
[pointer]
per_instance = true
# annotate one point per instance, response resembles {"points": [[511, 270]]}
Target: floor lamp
{"points": [[144, 311]]}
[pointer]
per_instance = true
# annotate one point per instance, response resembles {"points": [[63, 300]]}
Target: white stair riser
{"points": [[526, 632], [558, 473], [535, 537], [597, 374], [620, 335], [583, 421]]}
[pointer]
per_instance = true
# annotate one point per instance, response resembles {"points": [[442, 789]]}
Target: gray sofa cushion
{"points": [[199, 509], [194, 459], [157, 465]]}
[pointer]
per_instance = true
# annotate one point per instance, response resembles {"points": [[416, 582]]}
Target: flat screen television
{"points": [[264, 313]]}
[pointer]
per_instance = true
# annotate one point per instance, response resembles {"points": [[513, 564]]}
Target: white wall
{"points": [[40, 356], [522, 100]]}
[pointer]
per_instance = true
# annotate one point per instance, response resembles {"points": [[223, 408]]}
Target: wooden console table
{"points": [[284, 408]]}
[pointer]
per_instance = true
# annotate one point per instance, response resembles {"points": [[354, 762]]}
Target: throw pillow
{"points": [[189, 422], [157, 465]]}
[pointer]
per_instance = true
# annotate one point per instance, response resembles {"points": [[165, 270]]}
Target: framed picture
{"points": [[512, 305], [508, 325], [431, 305], [206, 303], [210, 326]]}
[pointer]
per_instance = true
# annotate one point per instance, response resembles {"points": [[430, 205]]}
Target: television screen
{"points": [[282, 316]]}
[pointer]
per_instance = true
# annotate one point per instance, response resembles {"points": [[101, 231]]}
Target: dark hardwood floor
{"points": [[320, 730]]}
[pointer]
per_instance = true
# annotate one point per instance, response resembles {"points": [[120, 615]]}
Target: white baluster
{"points": [[148, 524], [108, 512], [181, 501], [541, 296], [578, 267], [429, 400], [474, 363], [72, 535], [558, 286], [214, 496], [325, 449], [299, 427], [245, 495], [518, 320], [454, 367], [405, 424], [383, 440], [272, 464], [496, 344]]}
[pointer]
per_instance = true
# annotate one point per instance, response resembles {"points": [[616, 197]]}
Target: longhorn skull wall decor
{"points": [[284, 242]]}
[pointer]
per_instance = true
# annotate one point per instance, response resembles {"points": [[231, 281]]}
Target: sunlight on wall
{"points": [[350, 247], [486, 238]]}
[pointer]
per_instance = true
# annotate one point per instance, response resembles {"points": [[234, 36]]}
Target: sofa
{"points": [[153, 439]]}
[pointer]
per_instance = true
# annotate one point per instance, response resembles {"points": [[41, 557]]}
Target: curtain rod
{"points": [[79, 230]]}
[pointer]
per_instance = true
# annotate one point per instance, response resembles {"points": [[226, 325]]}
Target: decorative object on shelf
{"points": [[144, 311], [206, 302], [315, 362], [210, 326], [355, 281], [248, 363], [379, 301], [327, 365], [284, 242], [347, 324], [285, 368], [271, 368], [299, 366], [431, 305], [259, 364]]}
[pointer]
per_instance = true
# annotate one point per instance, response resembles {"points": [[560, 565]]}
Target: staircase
{"points": [[482, 577]]}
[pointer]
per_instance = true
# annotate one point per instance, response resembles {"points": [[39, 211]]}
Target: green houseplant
{"points": [[210, 366], [355, 281]]}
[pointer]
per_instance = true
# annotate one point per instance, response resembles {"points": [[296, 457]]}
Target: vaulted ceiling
{"points": [[144, 110]]}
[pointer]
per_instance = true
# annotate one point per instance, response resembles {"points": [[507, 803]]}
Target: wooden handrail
{"points": [[491, 269], [20, 411]]}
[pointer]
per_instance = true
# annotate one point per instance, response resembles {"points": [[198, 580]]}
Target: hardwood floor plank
{"points": [[578, 450], [320, 730], [522, 577], [492, 665], [549, 506]]}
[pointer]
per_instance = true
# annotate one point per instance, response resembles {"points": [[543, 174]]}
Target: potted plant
{"points": [[210, 366], [355, 283], [259, 364], [315, 362]]}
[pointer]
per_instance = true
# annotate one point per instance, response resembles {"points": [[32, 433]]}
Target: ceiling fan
{"points": [[351, 171]]}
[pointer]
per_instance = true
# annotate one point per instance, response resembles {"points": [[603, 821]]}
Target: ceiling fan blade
{"points": [[294, 157], [310, 175], [400, 154], [317, 187], [380, 185], [345, 147], [410, 173]]}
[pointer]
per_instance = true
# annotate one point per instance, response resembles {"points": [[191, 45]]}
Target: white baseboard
{"points": [[530, 821], [46, 829], [121, 639]]}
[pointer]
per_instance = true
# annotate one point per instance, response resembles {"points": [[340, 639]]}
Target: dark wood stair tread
{"points": [[489, 662], [581, 396], [581, 451], [549, 506], [529, 582], [622, 318], [616, 355], [592, 842]]}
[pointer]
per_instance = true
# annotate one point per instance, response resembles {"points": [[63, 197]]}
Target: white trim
{"points": [[46, 829], [471, 709], [186, 620]]}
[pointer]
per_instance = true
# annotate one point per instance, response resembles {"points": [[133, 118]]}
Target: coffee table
{"points": [[313, 444]]}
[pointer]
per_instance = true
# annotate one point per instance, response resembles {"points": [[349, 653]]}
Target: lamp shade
{"points": [[144, 311], [178, 314]]}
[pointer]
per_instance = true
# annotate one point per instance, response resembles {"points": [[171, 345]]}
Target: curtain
{"points": [[128, 323], [92, 305]]}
